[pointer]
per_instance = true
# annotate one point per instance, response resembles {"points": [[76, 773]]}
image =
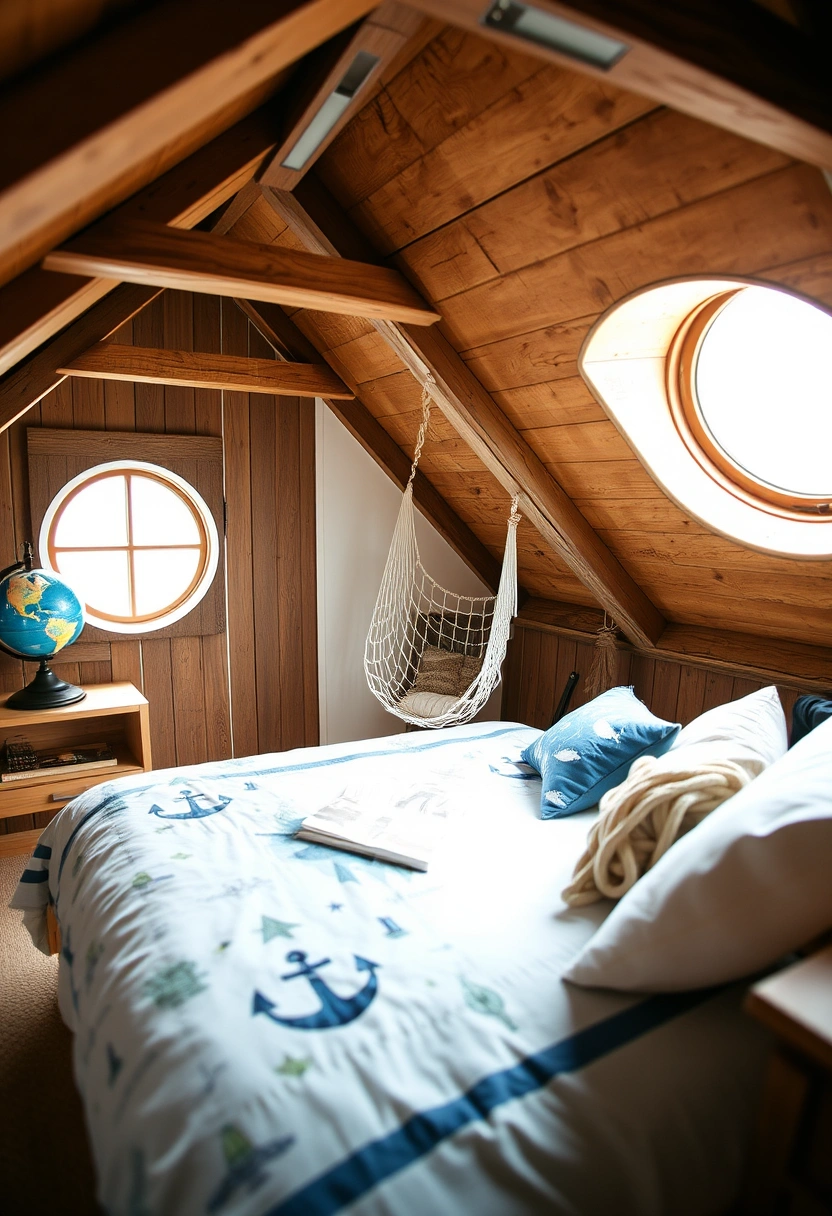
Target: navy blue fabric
{"points": [[34, 876], [380, 1159], [591, 750], [808, 713], [42, 851]]}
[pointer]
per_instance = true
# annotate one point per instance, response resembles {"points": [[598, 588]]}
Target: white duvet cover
{"points": [[264, 1026]]}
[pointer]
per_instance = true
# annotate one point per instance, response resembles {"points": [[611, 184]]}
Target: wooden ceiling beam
{"points": [[734, 65], [196, 369], [288, 341], [214, 265], [326, 82], [102, 119], [37, 304], [481, 423]]}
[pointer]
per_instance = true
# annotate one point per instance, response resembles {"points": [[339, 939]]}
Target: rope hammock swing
{"points": [[432, 657]]}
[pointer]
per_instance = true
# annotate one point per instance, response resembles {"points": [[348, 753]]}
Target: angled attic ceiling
{"points": [[519, 198]]}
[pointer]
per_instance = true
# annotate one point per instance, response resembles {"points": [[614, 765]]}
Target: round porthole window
{"points": [[137, 543], [751, 388]]}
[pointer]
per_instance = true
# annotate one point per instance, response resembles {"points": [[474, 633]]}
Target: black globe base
{"points": [[45, 691]]}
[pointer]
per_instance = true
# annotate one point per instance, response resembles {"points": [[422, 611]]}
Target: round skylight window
{"points": [[756, 388], [135, 541]]}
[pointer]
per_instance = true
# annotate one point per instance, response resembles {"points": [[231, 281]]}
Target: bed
{"points": [[264, 1026]]}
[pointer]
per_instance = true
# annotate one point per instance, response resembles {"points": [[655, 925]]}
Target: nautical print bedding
{"points": [[264, 1026]]}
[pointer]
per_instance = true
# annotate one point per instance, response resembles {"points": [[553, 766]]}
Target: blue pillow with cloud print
{"points": [[591, 750]]}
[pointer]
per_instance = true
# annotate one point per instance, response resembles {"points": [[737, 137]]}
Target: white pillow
{"points": [[750, 883], [754, 728]]}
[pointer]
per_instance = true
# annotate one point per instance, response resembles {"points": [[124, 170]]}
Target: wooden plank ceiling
{"points": [[519, 198], [522, 199]]}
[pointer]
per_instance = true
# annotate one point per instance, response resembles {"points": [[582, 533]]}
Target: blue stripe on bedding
{"points": [[237, 774], [34, 876], [382, 1158], [42, 851]]}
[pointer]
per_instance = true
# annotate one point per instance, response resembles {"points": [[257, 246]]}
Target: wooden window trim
{"points": [[687, 414], [57, 456]]}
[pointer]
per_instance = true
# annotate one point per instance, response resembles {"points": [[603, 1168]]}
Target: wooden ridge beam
{"points": [[481, 423], [151, 253], [734, 65], [382, 37], [38, 375], [37, 304], [195, 369], [103, 118], [776, 659], [287, 340]]}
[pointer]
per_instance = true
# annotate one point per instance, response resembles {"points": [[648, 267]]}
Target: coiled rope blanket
{"points": [[641, 818]]}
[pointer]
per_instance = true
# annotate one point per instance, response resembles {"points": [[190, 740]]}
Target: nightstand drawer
{"points": [[35, 798]]}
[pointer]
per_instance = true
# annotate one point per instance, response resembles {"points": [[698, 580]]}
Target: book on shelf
{"points": [[21, 762], [403, 830]]}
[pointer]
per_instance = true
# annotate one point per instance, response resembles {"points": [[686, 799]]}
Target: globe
{"points": [[39, 614]]}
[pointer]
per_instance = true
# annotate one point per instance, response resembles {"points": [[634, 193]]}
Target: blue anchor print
{"points": [[196, 811], [334, 1010]]}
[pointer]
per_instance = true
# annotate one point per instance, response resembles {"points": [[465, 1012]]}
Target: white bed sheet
{"points": [[264, 1026]]}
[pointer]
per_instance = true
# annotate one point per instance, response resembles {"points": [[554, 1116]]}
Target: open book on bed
{"points": [[403, 829]]}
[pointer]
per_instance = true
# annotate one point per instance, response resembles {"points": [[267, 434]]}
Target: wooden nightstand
{"points": [[110, 713], [791, 1173]]}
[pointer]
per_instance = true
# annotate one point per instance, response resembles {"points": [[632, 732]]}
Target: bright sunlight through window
{"points": [[135, 541], [763, 392]]}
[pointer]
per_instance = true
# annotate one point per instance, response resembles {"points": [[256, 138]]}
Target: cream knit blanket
{"points": [[641, 818]]}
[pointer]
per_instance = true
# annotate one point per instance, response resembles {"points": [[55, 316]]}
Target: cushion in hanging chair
{"points": [[427, 704], [438, 671]]}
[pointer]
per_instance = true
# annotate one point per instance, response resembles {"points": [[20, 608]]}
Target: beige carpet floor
{"points": [[45, 1164]]}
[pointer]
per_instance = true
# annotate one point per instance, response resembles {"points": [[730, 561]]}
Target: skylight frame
{"points": [[688, 415]]}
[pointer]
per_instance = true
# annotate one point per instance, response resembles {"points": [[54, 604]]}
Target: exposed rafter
{"points": [[38, 375], [214, 265], [734, 65], [335, 85], [102, 120], [196, 369], [36, 305], [287, 340], [481, 423]]}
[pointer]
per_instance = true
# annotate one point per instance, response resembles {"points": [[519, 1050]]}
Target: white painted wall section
{"points": [[357, 506]]}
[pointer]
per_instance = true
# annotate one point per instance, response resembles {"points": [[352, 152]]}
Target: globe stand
{"points": [[45, 691]]}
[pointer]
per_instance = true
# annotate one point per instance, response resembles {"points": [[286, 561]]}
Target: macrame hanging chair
{"points": [[432, 657]]}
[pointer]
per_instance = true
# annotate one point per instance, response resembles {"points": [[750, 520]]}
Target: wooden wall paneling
{"points": [[691, 699], [545, 700], [265, 559], [149, 330], [119, 405], [88, 413], [288, 475], [126, 662], [512, 673], [665, 690], [719, 688], [180, 407], [531, 679], [309, 574], [567, 662], [158, 688], [239, 569], [642, 674], [11, 669], [187, 683]]}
